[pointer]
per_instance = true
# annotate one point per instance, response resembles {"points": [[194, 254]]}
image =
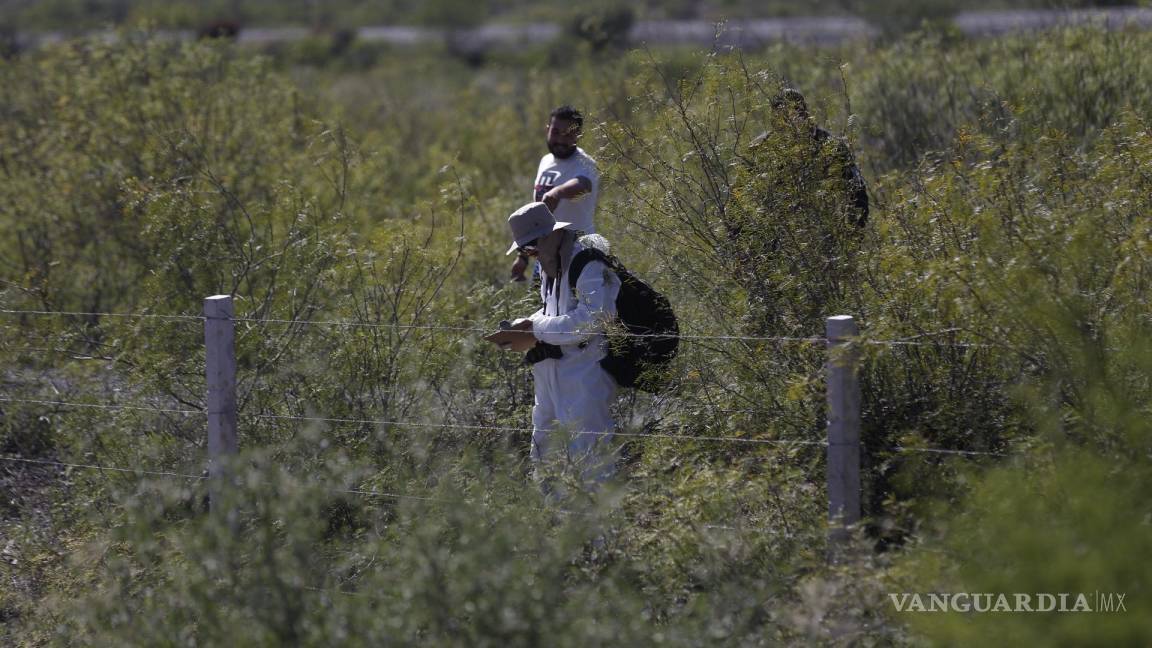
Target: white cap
{"points": [[530, 222]]}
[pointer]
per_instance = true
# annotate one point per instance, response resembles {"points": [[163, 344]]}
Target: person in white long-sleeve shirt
{"points": [[571, 419], [567, 179]]}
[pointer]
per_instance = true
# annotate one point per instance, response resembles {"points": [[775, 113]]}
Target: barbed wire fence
{"points": [[842, 444]]}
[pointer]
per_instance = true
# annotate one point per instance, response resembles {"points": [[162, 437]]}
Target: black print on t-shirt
{"points": [[546, 181]]}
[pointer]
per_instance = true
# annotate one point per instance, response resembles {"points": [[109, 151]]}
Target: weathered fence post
{"points": [[843, 428], [220, 364]]}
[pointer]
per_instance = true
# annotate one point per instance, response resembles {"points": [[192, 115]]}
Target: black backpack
{"points": [[639, 360]]}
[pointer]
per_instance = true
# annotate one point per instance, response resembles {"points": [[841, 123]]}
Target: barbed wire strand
{"points": [[493, 428], [199, 318], [134, 471], [814, 340], [478, 329], [951, 345], [101, 406], [350, 491], [498, 428], [421, 498], [73, 354], [320, 590], [363, 492], [397, 326], [944, 451], [161, 473], [709, 410]]}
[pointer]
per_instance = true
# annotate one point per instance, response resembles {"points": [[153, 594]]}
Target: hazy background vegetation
{"points": [[85, 14], [1010, 180]]}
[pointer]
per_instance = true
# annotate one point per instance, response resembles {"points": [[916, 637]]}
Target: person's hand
{"points": [[522, 340], [550, 199], [518, 268]]}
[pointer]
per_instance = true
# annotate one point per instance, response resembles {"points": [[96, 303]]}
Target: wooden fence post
{"points": [[220, 365], [843, 428]]}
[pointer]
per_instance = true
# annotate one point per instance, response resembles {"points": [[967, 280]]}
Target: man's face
{"points": [[562, 136], [548, 251], [793, 114]]}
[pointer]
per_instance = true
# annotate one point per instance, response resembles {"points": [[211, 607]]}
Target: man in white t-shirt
{"points": [[566, 180]]}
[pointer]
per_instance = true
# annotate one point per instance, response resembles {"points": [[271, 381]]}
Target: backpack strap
{"points": [[583, 258]]}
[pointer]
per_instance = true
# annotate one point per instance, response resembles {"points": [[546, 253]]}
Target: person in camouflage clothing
{"points": [[794, 219], [790, 104]]}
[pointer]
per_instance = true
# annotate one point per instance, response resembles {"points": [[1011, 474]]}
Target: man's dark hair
{"points": [[568, 113], [790, 98]]}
